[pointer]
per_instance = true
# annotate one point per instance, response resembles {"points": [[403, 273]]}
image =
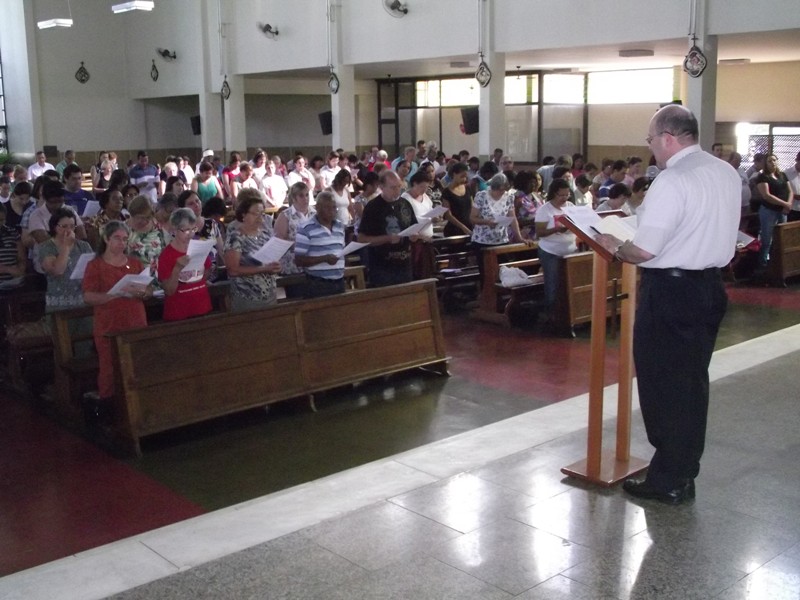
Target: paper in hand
{"points": [[197, 252], [80, 267], [435, 212], [351, 247], [503, 220], [414, 229], [272, 251], [91, 209], [142, 280]]}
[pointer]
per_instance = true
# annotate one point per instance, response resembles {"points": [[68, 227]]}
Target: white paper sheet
{"points": [[503, 220], [272, 251], [91, 209], [198, 251], [140, 280], [415, 229], [435, 212], [351, 247], [80, 268]]}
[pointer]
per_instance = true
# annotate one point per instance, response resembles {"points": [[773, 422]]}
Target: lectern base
{"points": [[612, 470]]}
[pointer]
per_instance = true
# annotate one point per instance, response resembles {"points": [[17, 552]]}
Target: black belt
{"points": [[709, 273]]}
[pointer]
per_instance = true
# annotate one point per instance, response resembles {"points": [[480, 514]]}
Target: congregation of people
{"points": [[144, 218]]}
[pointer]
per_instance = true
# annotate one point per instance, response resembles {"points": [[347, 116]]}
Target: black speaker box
{"points": [[195, 121], [471, 119], [326, 122]]}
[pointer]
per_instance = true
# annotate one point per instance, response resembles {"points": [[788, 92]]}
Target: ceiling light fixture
{"points": [[54, 23], [636, 53], [48, 23], [133, 5]]}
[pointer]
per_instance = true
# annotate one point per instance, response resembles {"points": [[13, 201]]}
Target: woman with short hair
{"points": [[252, 283], [146, 241], [186, 292]]}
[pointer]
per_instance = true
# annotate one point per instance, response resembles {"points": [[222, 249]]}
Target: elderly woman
{"points": [[252, 283], [112, 313], [555, 241], [58, 257], [286, 228], [207, 228], [146, 241], [111, 205], [489, 206], [186, 292]]}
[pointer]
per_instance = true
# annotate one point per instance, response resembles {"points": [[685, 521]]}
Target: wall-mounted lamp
{"points": [[166, 54], [133, 5], [269, 31]]}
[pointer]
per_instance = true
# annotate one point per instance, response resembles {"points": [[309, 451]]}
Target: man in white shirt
{"points": [[39, 167], [735, 160], [793, 175], [687, 227]]}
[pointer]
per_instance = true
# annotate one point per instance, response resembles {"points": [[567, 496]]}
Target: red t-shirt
{"points": [[191, 298]]}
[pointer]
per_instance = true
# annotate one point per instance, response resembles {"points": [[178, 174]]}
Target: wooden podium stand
{"points": [[607, 467]]}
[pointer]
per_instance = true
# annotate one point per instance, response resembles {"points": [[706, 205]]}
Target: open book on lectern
{"points": [[588, 224]]}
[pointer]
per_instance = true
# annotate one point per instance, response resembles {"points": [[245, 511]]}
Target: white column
{"points": [[211, 121], [343, 107], [492, 132], [701, 92], [233, 109]]}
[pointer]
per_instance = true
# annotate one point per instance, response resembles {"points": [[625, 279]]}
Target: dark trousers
{"points": [[676, 327], [318, 287]]}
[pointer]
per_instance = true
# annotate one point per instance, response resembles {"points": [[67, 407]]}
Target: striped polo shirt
{"points": [[314, 239]]}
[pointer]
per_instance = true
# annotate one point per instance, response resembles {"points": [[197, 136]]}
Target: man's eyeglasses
{"points": [[649, 139]]}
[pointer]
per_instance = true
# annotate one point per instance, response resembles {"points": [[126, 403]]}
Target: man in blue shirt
{"points": [[74, 195], [318, 249]]}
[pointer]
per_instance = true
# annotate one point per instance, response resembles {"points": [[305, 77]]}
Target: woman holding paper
{"points": [[555, 241], [112, 312], [286, 226], [185, 289], [423, 255], [252, 282], [58, 257]]}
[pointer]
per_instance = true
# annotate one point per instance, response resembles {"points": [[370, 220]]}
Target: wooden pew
{"points": [[574, 296], [784, 256], [456, 267], [490, 302], [169, 375]]}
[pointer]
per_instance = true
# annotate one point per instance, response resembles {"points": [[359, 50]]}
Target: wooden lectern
{"points": [[607, 467]]}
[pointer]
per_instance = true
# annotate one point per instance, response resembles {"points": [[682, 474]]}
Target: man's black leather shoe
{"points": [[644, 491]]}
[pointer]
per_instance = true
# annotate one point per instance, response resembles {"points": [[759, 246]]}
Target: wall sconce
{"points": [[269, 31], [166, 54]]}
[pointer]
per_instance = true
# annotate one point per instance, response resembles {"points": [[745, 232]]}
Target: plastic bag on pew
{"points": [[512, 277]]}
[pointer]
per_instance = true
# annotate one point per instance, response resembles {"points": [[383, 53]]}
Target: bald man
{"points": [[686, 232]]}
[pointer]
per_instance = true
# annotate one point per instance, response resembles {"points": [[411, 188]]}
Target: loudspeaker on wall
{"points": [[326, 122], [470, 118]]}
